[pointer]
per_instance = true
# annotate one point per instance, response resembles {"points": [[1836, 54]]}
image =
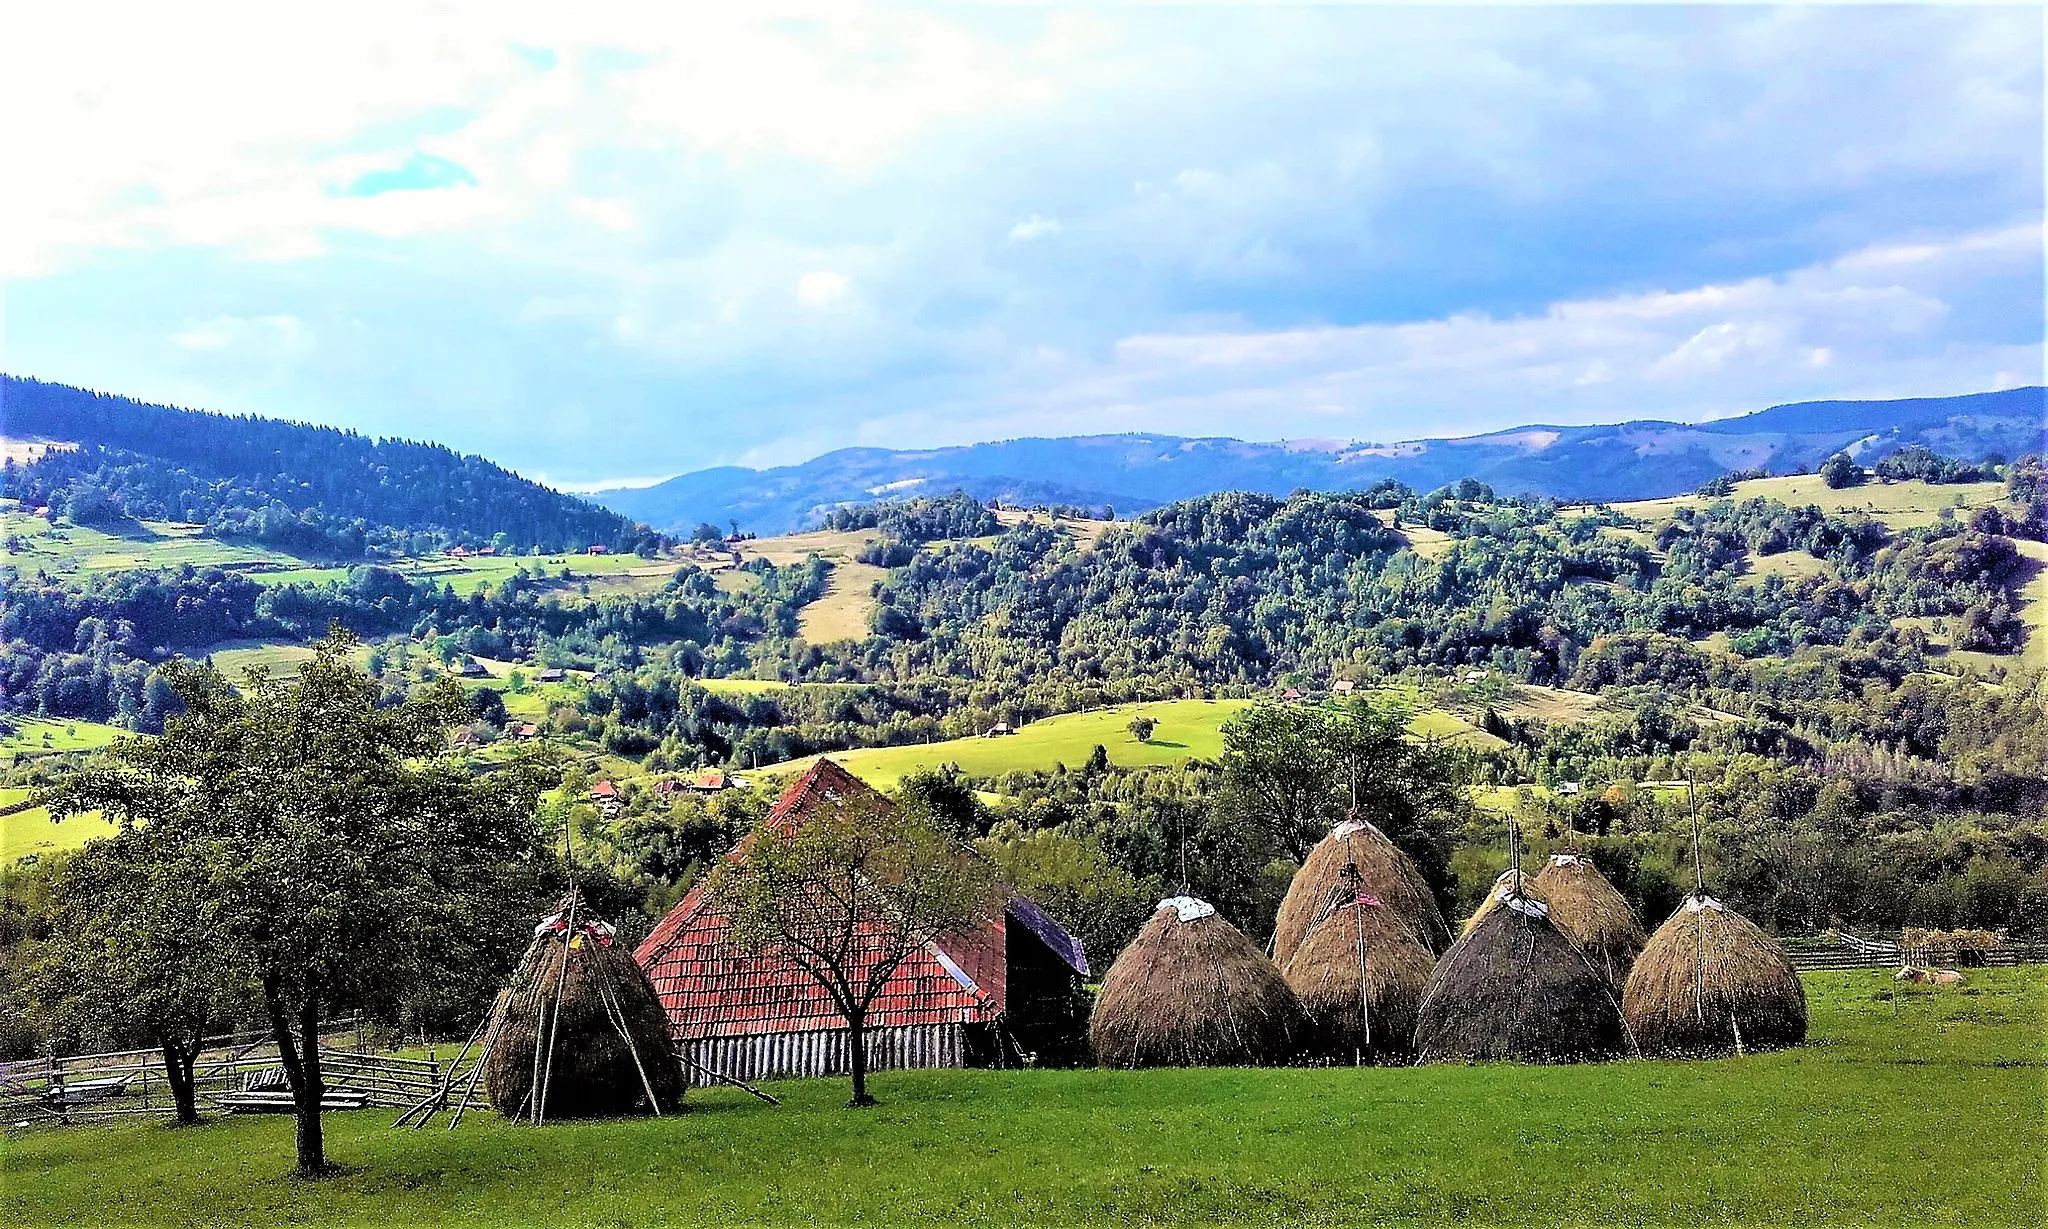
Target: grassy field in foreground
{"points": [[1925, 1109]]}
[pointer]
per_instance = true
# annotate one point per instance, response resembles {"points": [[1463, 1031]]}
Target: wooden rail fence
{"points": [[236, 1073]]}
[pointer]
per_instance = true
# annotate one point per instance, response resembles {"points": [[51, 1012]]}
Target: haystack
{"points": [[1192, 991], [1591, 914], [1514, 989], [1710, 983], [1361, 976], [1511, 882], [593, 1034], [1383, 871]]}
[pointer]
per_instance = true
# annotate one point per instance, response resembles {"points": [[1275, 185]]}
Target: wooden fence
{"points": [[236, 1073], [1844, 951]]}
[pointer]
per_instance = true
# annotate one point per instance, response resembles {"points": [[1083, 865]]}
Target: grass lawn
{"points": [[1925, 1109], [30, 833], [603, 573]]}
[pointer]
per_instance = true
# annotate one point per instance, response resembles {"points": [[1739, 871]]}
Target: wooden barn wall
{"points": [[767, 1056]]}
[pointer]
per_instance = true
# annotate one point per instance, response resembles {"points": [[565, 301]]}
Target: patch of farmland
{"points": [[1900, 505], [846, 610], [31, 833], [1085, 531], [836, 545], [1187, 728], [65, 549], [1790, 564], [49, 735], [1554, 705], [1426, 542]]}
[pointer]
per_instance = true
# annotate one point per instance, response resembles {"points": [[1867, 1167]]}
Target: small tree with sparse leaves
{"points": [[1142, 728], [848, 894]]}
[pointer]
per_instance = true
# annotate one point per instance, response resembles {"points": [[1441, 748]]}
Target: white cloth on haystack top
{"points": [[1569, 859], [1188, 908], [1527, 906], [1693, 904], [1352, 827]]}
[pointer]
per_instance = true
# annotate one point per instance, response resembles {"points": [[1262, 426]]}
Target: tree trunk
{"points": [[312, 1146], [301, 1058], [179, 1058], [857, 1057]]}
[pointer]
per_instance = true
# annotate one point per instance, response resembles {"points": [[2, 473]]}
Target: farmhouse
{"points": [[1001, 729], [1343, 687], [553, 674], [1010, 987], [596, 549]]}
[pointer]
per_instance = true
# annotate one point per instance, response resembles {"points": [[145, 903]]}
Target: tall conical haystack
{"points": [[594, 1035], [1510, 882], [1361, 976], [1591, 914], [1192, 991], [1514, 989], [1384, 871], [1710, 983]]}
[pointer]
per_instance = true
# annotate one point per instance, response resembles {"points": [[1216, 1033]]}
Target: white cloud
{"points": [[1034, 227], [277, 335], [822, 288]]}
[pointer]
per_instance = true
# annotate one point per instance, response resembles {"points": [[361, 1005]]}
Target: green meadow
{"points": [[1922, 1109], [1187, 729], [31, 833]]}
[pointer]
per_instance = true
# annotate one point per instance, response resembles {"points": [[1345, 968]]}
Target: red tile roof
{"points": [[711, 988]]}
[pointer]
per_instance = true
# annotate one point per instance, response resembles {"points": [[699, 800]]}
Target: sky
{"points": [[602, 244]]}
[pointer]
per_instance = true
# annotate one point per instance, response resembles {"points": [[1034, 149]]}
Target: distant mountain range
{"points": [[1133, 473]]}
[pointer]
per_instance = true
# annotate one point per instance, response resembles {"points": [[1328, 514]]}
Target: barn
{"points": [[1007, 993]]}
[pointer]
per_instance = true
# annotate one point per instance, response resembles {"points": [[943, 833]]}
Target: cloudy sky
{"points": [[601, 243]]}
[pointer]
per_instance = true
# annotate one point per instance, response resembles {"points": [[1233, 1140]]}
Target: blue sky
{"points": [[621, 242]]}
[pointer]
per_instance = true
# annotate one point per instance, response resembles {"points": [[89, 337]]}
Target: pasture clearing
{"points": [[30, 833], [846, 610], [48, 735], [67, 550], [1790, 564], [1900, 505], [617, 573], [1187, 728], [1906, 1107], [1085, 531]]}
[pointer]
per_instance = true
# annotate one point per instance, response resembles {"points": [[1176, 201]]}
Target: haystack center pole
{"points": [[555, 1016], [1364, 991], [1699, 909]]}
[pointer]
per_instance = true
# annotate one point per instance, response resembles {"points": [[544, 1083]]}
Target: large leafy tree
{"points": [[849, 893], [135, 953], [1291, 771], [342, 849]]}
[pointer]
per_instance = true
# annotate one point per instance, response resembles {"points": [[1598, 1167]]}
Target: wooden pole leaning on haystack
{"points": [[1514, 988], [1710, 982]]}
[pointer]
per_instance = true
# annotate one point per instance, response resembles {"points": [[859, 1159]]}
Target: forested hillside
{"points": [[311, 490]]}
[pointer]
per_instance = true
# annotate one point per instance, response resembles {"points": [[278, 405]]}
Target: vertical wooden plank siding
{"points": [[821, 1052]]}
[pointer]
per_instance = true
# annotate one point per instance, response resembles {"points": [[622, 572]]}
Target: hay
{"points": [[1710, 983], [1509, 881], [1361, 1014], [1591, 914], [1384, 871], [594, 1073], [1514, 989], [1192, 991]]}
